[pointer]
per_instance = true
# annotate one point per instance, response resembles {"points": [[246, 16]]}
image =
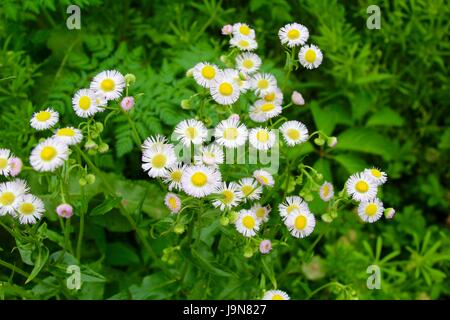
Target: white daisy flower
{"points": [[293, 34], [261, 212], [44, 119], [84, 103], [310, 56], [173, 202], [225, 90], [273, 95], [200, 181], [230, 133], [300, 224], [247, 223], [361, 187], [326, 191], [275, 295], [248, 62], [230, 196], [262, 111], [244, 44], [173, 176], [250, 189], [370, 211], [154, 142], [294, 132], [261, 138], [243, 85], [5, 162], [30, 209], [263, 83], [205, 73], [211, 155], [69, 135], [109, 83], [377, 176], [100, 101], [243, 30], [156, 160], [292, 203], [264, 178], [11, 195], [191, 131], [49, 155]]}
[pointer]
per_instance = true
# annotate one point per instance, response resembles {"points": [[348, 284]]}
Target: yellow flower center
{"points": [[43, 116], [293, 134], [292, 207], [247, 190], [260, 212], [277, 297], [230, 133], [107, 85], [26, 208], [300, 222], [263, 179], [267, 107], [244, 30], [270, 97], [159, 161], [244, 43], [263, 84], [67, 132], [262, 136], [226, 89], [48, 153], [247, 63], [173, 203], [293, 34], [176, 176], [191, 132], [326, 190], [7, 198], [310, 56], [208, 72], [362, 186], [85, 102], [376, 173], [228, 196], [371, 209], [248, 222], [199, 179], [3, 163]]}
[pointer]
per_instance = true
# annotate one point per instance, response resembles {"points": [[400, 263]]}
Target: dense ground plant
{"points": [[216, 172]]}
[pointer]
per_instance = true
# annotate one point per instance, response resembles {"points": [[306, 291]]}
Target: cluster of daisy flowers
{"points": [[363, 187]]}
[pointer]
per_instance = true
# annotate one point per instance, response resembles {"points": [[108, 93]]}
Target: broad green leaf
{"points": [[324, 120], [119, 254], [39, 262], [322, 165], [350, 162], [386, 117], [106, 206]]}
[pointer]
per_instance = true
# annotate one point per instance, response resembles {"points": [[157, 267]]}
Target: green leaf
{"points": [[445, 140], [324, 120], [386, 117], [351, 162], [119, 254], [39, 263], [106, 206], [323, 166]]}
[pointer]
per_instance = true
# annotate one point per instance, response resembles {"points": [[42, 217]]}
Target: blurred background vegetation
{"points": [[384, 93]]}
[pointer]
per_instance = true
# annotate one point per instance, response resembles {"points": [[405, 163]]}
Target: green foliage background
{"points": [[384, 93]]}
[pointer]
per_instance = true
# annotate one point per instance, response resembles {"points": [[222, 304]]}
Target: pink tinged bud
{"points": [[234, 117], [389, 213], [265, 246], [227, 29], [127, 103], [297, 98], [64, 210], [332, 141], [16, 166]]}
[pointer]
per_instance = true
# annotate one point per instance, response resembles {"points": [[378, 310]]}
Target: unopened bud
{"points": [[331, 142], [99, 126], [130, 78], [389, 213], [227, 29], [179, 229], [224, 221], [82, 182], [90, 144], [248, 252], [90, 178], [103, 147], [190, 73], [185, 104], [297, 98], [319, 141]]}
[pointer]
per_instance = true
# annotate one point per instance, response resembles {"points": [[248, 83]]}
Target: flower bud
{"points": [[130, 78], [103, 147], [265, 246], [319, 141], [389, 213], [233, 216], [331, 142], [327, 218], [179, 228], [185, 104], [16, 166], [190, 73], [127, 103], [90, 178], [82, 181], [234, 117], [297, 98], [248, 252], [309, 197], [227, 29], [64, 210], [90, 144], [99, 126], [224, 221], [243, 76]]}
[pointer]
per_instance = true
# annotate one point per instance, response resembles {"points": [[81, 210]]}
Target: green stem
{"points": [[14, 268], [135, 133], [323, 287]]}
